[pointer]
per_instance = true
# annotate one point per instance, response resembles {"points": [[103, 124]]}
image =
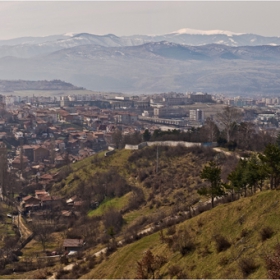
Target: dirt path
{"points": [[24, 230], [226, 152]]}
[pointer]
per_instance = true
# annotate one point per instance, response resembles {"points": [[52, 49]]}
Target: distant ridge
{"points": [[14, 85], [212, 61]]}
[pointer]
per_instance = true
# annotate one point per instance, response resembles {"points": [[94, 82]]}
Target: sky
{"points": [[43, 18]]}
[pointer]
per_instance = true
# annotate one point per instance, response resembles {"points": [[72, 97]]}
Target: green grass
{"points": [[251, 213], [117, 203], [6, 225], [34, 247], [126, 260]]}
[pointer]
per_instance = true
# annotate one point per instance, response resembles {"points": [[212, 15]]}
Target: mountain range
{"points": [[185, 60]]}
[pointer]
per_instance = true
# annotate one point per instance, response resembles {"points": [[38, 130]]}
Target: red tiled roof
{"points": [[73, 243], [26, 197]]}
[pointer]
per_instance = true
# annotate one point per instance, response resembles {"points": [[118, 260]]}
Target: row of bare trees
{"points": [[226, 128]]}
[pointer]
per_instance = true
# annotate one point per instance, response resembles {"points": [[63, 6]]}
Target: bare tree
{"points": [[246, 132], [42, 232], [117, 138], [211, 129], [228, 119]]}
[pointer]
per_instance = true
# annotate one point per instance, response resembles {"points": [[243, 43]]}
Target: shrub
{"points": [[171, 230], [205, 251], [61, 273], [187, 248], [202, 208], [111, 248], [223, 261], [6, 271], [199, 223], [174, 270], [113, 220], [247, 266], [91, 264], [244, 232], [273, 264], [158, 204], [222, 243], [136, 199], [183, 242], [266, 233], [40, 274]]}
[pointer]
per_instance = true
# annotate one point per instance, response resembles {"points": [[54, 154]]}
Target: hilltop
{"points": [[20, 85]]}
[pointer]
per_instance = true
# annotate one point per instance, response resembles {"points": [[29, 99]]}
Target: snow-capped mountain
{"points": [[32, 46]]}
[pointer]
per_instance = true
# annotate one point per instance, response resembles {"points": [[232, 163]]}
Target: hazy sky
{"points": [[18, 19]]}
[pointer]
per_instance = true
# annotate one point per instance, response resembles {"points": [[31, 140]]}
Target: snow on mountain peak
{"points": [[204, 32], [70, 34]]}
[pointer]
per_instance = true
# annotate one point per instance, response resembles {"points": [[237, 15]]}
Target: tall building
{"points": [[197, 115], [64, 102], [200, 97]]}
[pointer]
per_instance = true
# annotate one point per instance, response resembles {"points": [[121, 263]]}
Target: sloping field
{"points": [[244, 224]]}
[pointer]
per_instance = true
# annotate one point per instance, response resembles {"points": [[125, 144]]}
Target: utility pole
{"points": [[157, 161], [21, 156]]}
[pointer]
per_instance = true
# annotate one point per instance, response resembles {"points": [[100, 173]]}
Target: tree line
{"points": [[226, 128], [247, 177]]}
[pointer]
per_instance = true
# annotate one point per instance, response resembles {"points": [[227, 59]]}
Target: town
{"points": [[45, 132], [42, 136]]}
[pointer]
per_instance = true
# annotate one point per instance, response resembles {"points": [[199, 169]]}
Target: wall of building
{"points": [[169, 143]]}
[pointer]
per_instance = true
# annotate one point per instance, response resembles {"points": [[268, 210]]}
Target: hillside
{"points": [[15, 85], [172, 188], [143, 210], [155, 67], [241, 223]]}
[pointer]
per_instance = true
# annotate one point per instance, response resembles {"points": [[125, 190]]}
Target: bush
{"points": [[199, 223], [61, 273], [223, 261], [222, 243], [171, 230], [266, 233], [174, 270], [91, 264], [273, 263], [113, 221], [40, 274], [136, 199], [187, 248], [6, 271], [247, 266], [183, 242], [244, 232]]}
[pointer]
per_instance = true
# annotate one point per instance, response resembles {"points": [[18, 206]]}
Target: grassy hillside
{"points": [[229, 241], [250, 227], [172, 188], [133, 195]]}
